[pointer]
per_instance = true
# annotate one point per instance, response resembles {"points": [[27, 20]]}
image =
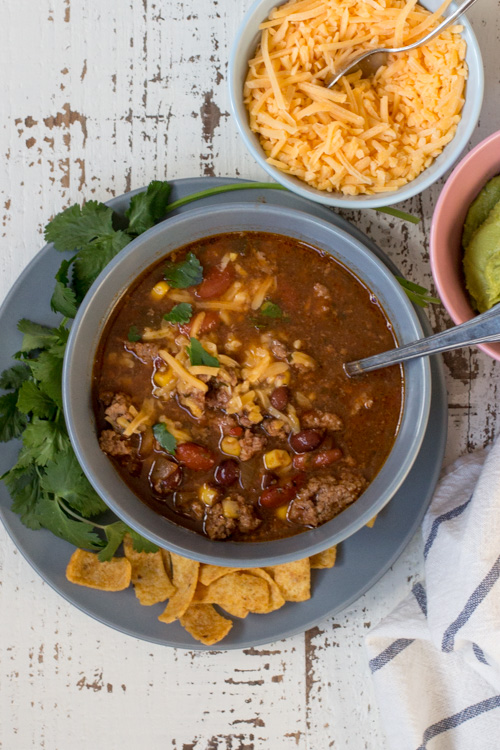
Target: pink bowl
{"points": [[462, 186]]}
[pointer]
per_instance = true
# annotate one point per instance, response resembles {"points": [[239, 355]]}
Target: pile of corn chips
{"points": [[192, 588]]}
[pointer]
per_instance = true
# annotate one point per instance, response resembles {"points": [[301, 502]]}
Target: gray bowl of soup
{"points": [[204, 389]]}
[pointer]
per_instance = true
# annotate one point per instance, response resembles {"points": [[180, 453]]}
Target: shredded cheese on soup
{"points": [[364, 136]]}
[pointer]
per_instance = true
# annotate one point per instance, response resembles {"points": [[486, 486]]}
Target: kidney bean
{"points": [[310, 461], [216, 282], [306, 440], [195, 457], [273, 497], [325, 458], [210, 321], [280, 397], [268, 480], [227, 472]]}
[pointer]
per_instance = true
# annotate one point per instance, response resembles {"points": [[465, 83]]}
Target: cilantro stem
{"points": [[398, 214], [223, 189], [270, 186], [75, 515]]}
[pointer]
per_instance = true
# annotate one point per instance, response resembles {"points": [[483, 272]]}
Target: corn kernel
{"points": [[159, 290], [207, 494], [282, 512], [163, 377], [230, 508], [282, 379], [255, 415], [231, 446], [277, 459], [303, 359]]}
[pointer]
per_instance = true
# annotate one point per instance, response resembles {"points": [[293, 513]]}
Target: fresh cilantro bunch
{"points": [[47, 485]]}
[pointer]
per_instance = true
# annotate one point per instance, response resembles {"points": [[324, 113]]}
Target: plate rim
{"points": [[439, 434]]}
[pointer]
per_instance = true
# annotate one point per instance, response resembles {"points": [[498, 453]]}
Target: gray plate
{"points": [[363, 558]]}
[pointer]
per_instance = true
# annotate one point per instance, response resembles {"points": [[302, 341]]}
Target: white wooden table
{"points": [[99, 97]]}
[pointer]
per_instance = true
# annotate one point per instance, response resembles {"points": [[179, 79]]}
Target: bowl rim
{"points": [[416, 186], [441, 285], [231, 553]]}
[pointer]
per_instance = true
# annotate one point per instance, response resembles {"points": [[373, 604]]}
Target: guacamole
{"points": [[481, 242]]}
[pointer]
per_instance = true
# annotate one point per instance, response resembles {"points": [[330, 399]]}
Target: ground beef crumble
{"points": [[251, 444], [326, 420], [324, 497], [118, 407], [218, 526]]}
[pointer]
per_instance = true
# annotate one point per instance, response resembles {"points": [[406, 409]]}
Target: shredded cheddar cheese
{"points": [[365, 136]]}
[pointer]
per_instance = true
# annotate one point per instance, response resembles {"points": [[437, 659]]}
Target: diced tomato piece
{"points": [[210, 321], [235, 431], [275, 496], [195, 456], [216, 282]]}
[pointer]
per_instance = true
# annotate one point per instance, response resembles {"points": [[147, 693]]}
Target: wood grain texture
{"points": [[98, 98]]}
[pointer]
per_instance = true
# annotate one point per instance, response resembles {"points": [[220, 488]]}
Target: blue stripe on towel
{"points": [[479, 654], [453, 513], [420, 595], [473, 602], [454, 721], [389, 653]]}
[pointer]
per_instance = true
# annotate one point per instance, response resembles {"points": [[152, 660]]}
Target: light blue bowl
{"points": [[115, 280], [243, 50]]}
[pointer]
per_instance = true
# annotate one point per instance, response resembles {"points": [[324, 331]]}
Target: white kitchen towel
{"points": [[435, 660]]}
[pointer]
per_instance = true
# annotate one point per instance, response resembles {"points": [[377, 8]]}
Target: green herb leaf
{"points": [[32, 400], [199, 356], [180, 313], [147, 208], [64, 478], [133, 334], [12, 422], [13, 378], [75, 227], [418, 294], [93, 258], [188, 272], [35, 335], [24, 489], [47, 369], [51, 516], [114, 536], [164, 437], [271, 310], [140, 543], [63, 300], [42, 441]]}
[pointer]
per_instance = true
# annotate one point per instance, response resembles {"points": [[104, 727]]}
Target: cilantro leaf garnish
{"points": [[75, 227], [271, 310], [180, 313], [64, 298], [93, 258], [147, 208], [51, 515], [114, 536], [188, 272], [418, 294], [65, 479], [35, 335], [133, 334], [12, 421], [32, 400], [164, 437], [199, 356], [14, 377]]}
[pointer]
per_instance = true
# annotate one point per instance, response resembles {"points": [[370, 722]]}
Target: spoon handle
{"points": [[478, 330], [442, 26]]}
